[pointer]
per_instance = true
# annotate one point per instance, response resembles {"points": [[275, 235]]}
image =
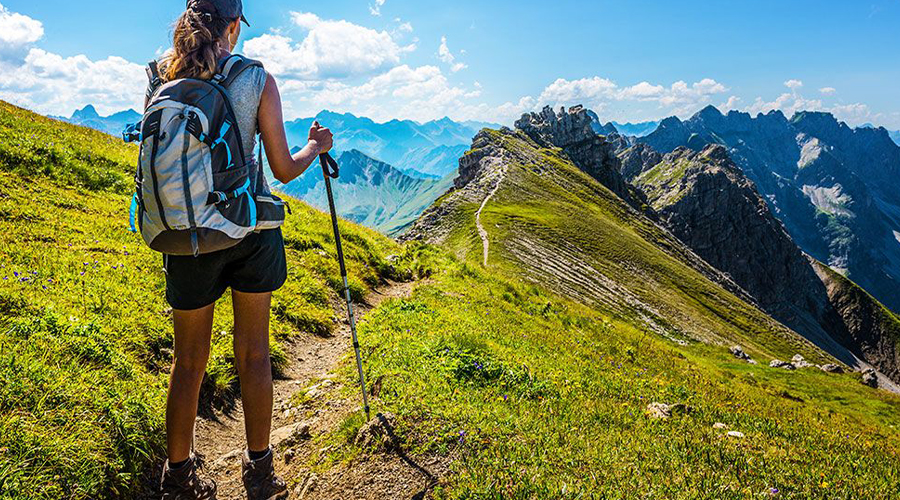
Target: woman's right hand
{"points": [[322, 136]]}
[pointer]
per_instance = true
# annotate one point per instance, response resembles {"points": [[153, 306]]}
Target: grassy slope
{"points": [[562, 207], [86, 336], [535, 396]]}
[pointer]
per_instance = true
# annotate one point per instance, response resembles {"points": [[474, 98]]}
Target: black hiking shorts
{"points": [[255, 265]]}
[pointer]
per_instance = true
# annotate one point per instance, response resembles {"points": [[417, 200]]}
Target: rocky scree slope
{"points": [[552, 223], [836, 189], [710, 205]]}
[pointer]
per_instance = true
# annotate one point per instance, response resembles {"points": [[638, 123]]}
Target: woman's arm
{"points": [[271, 125]]}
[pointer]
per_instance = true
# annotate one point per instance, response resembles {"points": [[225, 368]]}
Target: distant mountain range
{"points": [[635, 129], [112, 125], [423, 150], [370, 192], [835, 188], [432, 148]]}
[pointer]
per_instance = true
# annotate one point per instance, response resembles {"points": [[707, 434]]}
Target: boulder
{"points": [[663, 411], [719, 425], [735, 434], [832, 368], [869, 377], [738, 352], [800, 362], [777, 363], [290, 435]]}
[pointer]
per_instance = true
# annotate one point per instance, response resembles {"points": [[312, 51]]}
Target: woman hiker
{"points": [[204, 36]]}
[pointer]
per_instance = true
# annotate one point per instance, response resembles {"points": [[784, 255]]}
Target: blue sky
{"points": [[630, 61]]}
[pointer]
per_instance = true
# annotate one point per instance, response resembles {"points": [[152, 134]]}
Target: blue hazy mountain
{"points": [[432, 148], [370, 192], [635, 129], [113, 124]]}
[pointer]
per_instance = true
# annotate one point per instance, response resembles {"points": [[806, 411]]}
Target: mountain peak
{"points": [[86, 113], [708, 112]]}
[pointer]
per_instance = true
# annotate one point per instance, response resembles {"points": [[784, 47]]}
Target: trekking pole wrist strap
{"points": [[329, 166]]}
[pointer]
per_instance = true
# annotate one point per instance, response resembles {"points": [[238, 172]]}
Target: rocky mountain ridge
{"points": [[836, 189], [710, 205]]}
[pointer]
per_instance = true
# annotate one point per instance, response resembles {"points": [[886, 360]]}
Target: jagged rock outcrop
{"points": [[573, 131], [710, 205], [638, 159], [835, 188]]}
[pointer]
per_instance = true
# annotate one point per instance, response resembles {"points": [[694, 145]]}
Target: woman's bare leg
{"points": [[193, 331], [251, 355]]}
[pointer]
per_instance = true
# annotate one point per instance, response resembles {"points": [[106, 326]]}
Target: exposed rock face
{"points": [[573, 131], [868, 325], [836, 189], [638, 159], [709, 204]]}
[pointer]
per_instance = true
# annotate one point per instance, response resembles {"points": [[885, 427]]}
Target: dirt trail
{"points": [[311, 360], [481, 231]]}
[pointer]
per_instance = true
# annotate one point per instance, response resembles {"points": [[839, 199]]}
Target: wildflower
{"points": [[16, 274]]}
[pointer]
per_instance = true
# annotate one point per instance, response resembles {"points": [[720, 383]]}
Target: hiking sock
{"points": [[256, 455], [178, 465]]}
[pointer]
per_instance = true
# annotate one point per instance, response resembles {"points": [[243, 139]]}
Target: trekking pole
{"points": [[331, 170]]}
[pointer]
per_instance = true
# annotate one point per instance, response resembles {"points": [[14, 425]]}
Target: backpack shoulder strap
{"points": [[154, 78], [232, 67]]}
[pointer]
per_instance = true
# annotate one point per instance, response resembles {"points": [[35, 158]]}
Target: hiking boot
{"points": [[260, 480], [184, 484]]}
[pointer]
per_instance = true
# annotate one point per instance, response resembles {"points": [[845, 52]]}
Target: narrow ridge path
{"points": [[485, 243], [311, 359]]}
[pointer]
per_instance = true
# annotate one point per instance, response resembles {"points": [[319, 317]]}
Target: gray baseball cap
{"points": [[226, 9]]}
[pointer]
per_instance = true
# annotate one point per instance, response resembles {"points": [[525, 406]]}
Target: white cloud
{"points": [[17, 30], [375, 9], [828, 90], [445, 55], [331, 49], [306, 20], [421, 93], [793, 84], [589, 90], [733, 102], [597, 92], [52, 84]]}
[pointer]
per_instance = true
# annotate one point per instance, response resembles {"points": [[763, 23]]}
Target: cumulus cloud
{"points": [[445, 55], [50, 83], [331, 49], [17, 29], [793, 84], [597, 91], [418, 93], [828, 90], [733, 102]]}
